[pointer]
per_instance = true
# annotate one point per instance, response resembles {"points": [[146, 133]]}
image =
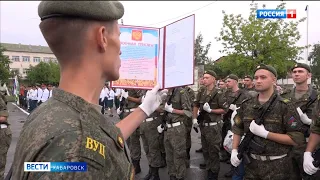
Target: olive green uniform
{"points": [[5, 135], [297, 152], [175, 136], [210, 127], [71, 129], [281, 118]]}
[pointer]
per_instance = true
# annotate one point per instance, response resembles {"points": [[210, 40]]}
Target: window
{"points": [[26, 58], [46, 59], [16, 58], [25, 71], [36, 59]]}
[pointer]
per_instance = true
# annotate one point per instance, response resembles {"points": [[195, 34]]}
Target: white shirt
{"points": [[29, 94], [50, 93], [39, 94], [34, 94], [102, 94], [111, 95], [45, 95], [106, 90], [118, 92]]}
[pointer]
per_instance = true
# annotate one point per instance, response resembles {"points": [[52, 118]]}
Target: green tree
{"points": [[249, 42], [4, 66], [314, 57], [201, 51], [44, 73]]}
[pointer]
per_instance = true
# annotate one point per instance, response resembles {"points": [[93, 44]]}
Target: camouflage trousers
{"points": [[151, 142], [175, 145], [133, 142], [188, 124], [211, 140], [5, 141], [278, 169]]}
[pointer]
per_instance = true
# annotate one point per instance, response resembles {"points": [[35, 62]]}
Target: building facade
{"points": [[23, 56]]}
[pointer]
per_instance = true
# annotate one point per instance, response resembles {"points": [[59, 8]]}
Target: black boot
{"points": [[199, 150], [136, 165], [155, 173], [149, 175]]}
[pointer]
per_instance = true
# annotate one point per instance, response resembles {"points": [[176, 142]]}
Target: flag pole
{"points": [[307, 9]]}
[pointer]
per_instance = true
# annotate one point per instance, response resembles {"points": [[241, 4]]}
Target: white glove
{"points": [[258, 130], [234, 113], [195, 123], [142, 99], [303, 116], [233, 107], [153, 100], [168, 108], [125, 94], [307, 164], [234, 158], [118, 111], [198, 113], [206, 107], [160, 129]]}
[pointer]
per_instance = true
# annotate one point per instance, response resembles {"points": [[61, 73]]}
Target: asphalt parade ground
{"points": [[17, 117]]}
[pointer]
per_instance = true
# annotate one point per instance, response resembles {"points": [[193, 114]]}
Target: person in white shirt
{"points": [[34, 98], [50, 90], [102, 99], [106, 89], [110, 101], [29, 100], [39, 94], [117, 96], [44, 94]]}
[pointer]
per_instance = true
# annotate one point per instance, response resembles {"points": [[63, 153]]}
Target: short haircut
{"points": [[65, 36]]}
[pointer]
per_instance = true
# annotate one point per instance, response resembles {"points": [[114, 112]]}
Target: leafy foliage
{"points": [[4, 66], [201, 51], [249, 42], [314, 57], [44, 73]]}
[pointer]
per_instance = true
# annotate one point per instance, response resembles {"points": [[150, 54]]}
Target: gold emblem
{"points": [[120, 141], [237, 120]]}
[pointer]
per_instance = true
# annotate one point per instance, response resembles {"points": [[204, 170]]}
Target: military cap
{"points": [[212, 73], [248, 76], [268, 68], [232, 76], [301, 65], [92, 10]]}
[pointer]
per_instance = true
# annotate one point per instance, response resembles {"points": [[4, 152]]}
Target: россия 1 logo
{"points": [[276, 14]]}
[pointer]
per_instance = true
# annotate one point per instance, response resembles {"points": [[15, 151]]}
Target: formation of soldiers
{"points": [[217, 110]]}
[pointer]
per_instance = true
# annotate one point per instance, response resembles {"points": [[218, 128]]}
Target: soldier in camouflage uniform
{"points": [[211, 103], [299, 96], [280, 131], [69, 127], [175, 136], [249, 86], [234, 97], [151, 143], [5, 134], [188, 124], [133, 100], [313, 143]]}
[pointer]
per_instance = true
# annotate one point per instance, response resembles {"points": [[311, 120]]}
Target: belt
{"points": [[149, 119], [129, 110], [212, 123], [174, 124], [267, 158], [3, 126]]}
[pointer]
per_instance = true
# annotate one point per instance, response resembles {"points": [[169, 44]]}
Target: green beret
{"points": [[232, 76], [248, 76], [93, 10], [268, 68], [212, 73], [301, 65]]}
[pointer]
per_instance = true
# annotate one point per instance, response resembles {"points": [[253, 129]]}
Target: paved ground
{"points": [[17, 118]]}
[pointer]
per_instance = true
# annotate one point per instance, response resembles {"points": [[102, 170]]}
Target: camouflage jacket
{"points": [[67, 128], [282, 118]]}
